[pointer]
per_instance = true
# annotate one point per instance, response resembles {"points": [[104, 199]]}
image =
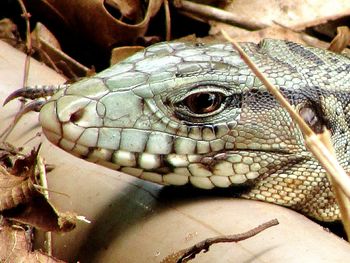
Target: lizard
{"points": [[188, 113]]}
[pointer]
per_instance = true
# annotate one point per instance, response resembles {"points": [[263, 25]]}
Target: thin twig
{"points": [[189, 253], [167, 20], [26, 16], [216, 14], [40, 165], [342, 200]]}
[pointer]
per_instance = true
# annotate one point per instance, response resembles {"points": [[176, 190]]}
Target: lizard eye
{"points": [[203, 102]]}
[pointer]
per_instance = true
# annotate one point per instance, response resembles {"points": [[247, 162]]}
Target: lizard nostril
{"points": [[77, 115]]}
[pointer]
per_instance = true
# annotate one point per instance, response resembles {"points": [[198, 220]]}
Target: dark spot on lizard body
{"points": [[306, 54]]}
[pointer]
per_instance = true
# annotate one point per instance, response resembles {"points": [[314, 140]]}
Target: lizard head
{"points": [[180, 113]]}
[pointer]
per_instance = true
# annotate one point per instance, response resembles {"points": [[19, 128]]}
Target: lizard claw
{"points": [[34, 92], [14, 95], [34, 105], [39, 96]]}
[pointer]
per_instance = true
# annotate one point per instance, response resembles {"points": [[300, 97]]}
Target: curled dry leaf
{"points": [[9, 154], [203, 11], [41, 214], [293, 15], [16, 183], [20, 200], [278, 33], [121, 53], [15, 247], [15, 190], [101, 24], [49, 50], [10, 34], [341, 40], [130, 9]]}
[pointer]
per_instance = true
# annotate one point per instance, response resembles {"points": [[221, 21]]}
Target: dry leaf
{"points": [[20, 201], [92, 20], [41, 32], [48, 49], [277, 33], [130, 9], [17, 186], [10, 34], [15, 247], [341, 40], [14, 190], [121, 53], [41, 214], [9, 154], [295, 15]]}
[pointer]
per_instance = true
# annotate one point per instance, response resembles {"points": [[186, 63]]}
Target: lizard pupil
{"points": [[203, 102]]}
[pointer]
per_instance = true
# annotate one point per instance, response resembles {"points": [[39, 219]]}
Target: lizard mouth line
{"points": [[137, 163], [275, 151], [84, 151]]}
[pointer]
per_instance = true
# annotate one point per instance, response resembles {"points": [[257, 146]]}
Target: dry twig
{"points": [[216, 14], [43, 183], [167, 20], [185, 255], [26, 16]]}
